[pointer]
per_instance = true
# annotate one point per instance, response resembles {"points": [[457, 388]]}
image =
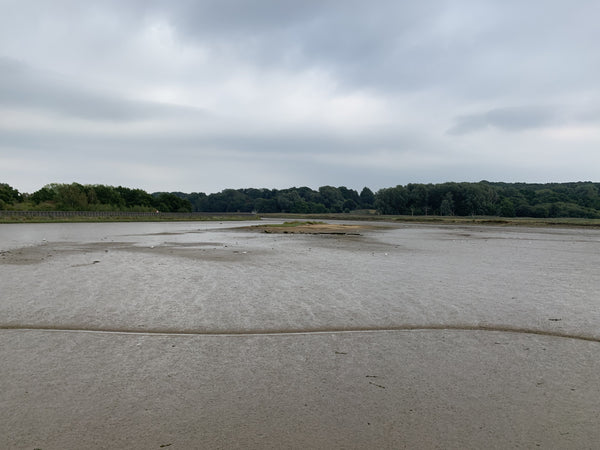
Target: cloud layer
{"points": [[201, 96]]}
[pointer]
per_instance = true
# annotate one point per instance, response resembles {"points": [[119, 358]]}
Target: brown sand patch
{"points": [[312, 228]]}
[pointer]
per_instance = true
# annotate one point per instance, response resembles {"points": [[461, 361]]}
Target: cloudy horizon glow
{"points": [[199, 96]]}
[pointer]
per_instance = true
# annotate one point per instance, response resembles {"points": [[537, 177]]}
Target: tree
{"points": [[198, 201], [367, 198], [586, 195], [9, 195], [332, 198], [447, 205], [45, 194], [108, 195], [391, 200], [349, 194], [349, 205], [264, 205], [507, 208], [71, 197], [171, 203], [287, 200], [135, 197], [418, 198]]}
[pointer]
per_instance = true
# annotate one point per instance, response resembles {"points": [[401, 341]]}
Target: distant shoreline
{"points": [[449, 220], [7, 216]]}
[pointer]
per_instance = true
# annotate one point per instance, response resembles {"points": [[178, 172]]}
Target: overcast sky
{"points": [[203, 95]]}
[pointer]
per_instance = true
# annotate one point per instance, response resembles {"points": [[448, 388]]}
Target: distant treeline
{"points": [[97, 197], [578, 199]]}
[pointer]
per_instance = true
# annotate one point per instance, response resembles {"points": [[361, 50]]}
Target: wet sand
{"points": [[202, 336]]}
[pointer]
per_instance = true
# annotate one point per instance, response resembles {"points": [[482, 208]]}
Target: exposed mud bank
{"points": [[342, 229], [413, 389], [219, 336]]}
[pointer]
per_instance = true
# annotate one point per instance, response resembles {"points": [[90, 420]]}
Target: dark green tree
{"points": [[9, 195], [367, 198], [447, 205], [332, 198]]}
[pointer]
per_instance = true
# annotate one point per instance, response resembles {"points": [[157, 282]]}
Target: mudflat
{"points": [[314, 227], [208, 335]]}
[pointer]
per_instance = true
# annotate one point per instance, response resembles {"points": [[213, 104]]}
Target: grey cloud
{"points": [[507, 119], [539, 56], [275, 144], [25, 87], [471, 47], [361, 43]]}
